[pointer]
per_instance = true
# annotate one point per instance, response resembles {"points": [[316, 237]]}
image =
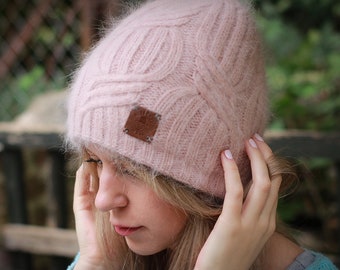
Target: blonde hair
{"points": [[202, 211]]}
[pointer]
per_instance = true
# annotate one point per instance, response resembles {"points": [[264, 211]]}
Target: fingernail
{"points": [[228, 154], [252, 143], [258, 137]]}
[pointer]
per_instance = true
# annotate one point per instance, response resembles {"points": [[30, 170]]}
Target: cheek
{"points": [[163, 233], [170, 222], [163, 225]]}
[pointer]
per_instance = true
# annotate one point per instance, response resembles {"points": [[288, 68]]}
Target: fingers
{"points": [[83, 197], [81, 186], [234, 191], [244, 225], [262, 197], [260, 187], [275, 181], [263, 194]]}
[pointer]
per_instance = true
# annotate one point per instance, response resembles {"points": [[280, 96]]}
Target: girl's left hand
{"points": [[245, 225]]}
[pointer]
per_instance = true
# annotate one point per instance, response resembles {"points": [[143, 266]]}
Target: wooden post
{"points": [[16, 199], [58, 200], [15, 186], [57, 190]]}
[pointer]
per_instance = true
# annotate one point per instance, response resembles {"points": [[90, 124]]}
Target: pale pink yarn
{"points": [[197, 63]]}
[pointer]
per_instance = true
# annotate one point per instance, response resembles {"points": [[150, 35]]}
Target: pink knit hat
{"points": [[171, 86]]}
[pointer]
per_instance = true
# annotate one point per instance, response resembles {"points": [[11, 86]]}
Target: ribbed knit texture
{"points": [[197, 63], [310, 260]]}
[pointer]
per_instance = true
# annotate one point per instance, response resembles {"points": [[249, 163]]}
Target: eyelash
{"points": [[127, 172], [99, 163]]}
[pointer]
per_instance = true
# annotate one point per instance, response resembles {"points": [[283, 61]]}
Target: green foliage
{"points": [[50, 53], [303, 74], [17, 92], [302, 43]]}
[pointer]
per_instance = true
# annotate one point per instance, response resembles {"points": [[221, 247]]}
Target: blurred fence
{"points": [[40, 44]]}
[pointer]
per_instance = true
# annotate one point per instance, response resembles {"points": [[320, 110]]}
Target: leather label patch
{"points": [[142, 124]]}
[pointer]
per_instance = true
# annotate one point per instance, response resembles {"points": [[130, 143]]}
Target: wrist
{"points": [[82, 265]]}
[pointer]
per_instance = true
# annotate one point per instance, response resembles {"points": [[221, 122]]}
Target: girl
{"points": [[166, 112]]}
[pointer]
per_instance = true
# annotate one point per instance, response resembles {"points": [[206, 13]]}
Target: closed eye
{"points": [[127, 172], [96, 161]]}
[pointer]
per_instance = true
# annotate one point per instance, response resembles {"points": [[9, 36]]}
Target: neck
{"points": [[279, 252]]}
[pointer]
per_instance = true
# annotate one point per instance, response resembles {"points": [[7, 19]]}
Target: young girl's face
{"points": [[148, 223]]}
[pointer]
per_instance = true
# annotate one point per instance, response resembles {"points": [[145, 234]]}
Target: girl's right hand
{"points": [[84, 211]]}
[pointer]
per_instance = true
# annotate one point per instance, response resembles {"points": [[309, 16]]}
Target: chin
{"points": [[144, 250]]}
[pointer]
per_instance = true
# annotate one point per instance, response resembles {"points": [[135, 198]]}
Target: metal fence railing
{"points": [[40, 45]]}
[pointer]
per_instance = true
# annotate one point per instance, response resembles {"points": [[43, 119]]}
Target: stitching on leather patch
{"points": [[142, 124]]}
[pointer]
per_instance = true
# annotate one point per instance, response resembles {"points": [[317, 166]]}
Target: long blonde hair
{"points": [[202, 211]]}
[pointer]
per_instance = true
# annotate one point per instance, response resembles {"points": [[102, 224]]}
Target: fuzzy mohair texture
{"points": [[195, 65]]}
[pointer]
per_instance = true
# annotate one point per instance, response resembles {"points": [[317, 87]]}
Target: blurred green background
{"points": [[302, 44], [302, 41]]}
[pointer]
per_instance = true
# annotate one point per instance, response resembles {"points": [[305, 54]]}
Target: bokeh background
{"points": [[43, 41]]}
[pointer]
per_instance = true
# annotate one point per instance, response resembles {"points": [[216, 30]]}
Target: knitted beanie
{"points": [[171, 86]]}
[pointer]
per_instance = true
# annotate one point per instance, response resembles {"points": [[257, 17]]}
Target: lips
{"points": [[126, 231]]}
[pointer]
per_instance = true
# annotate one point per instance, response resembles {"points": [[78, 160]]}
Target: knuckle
{"points": [[264, 186], [232, 169], [267, 227], [263, 225], [266, 150], [271, 225], [238, 193]]}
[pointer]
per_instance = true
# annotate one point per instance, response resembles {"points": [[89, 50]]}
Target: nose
{"points": [[111, 192]]}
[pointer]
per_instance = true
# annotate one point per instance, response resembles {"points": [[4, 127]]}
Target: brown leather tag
{"points": [[142, 124]]}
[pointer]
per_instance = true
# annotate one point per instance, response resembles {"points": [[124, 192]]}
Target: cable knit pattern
{"points": [[198, 64]]}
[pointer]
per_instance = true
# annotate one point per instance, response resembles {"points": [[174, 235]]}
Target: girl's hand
{"points": [[84, 211], [244, 226]]}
